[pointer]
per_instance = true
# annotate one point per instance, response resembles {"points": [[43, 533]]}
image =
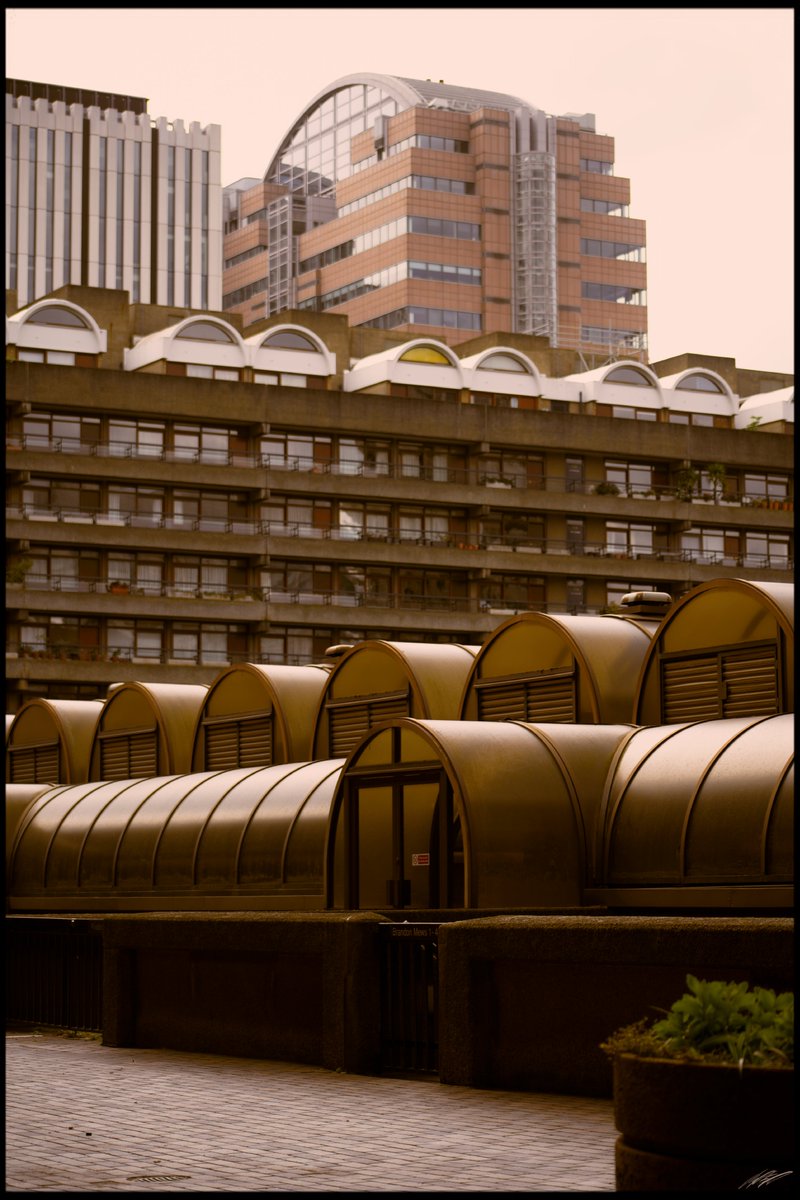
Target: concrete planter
{"points": [[699, 1127]]}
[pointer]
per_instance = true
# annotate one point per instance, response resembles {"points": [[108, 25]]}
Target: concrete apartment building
{"points": [[427, 208], [186, 490], [99, 194]]}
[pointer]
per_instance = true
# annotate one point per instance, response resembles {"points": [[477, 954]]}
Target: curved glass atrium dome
{"points": [[315, 153]]}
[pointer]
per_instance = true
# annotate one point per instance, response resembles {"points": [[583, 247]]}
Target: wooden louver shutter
{"points": [[255, 742], [129, 755], [741, 682], [35, 764], [502, 701], [750, 681], [548, 696], [349, 721], [690, 689], [222, 747], [551, 697], [240, 742]]}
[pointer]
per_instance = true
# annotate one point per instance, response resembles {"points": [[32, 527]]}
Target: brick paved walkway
{"points": [[85, 1117]]}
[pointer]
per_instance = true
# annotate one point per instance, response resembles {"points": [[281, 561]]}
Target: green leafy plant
{"points": [[717, 475], [686, 483], [718, 1022], [606, 488], [18, 569]]}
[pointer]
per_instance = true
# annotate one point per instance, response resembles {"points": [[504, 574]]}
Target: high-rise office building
{"points": [[429, 208], [101, 195]]}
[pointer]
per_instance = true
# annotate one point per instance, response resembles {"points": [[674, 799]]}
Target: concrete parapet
{"points": [[289, 986], [525, 1001]]}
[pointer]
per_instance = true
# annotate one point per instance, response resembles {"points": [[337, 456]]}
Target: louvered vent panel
{"points": [[502, 702], [348, 723], [23, 764], [143, 755], [552, 699], [347, 726], [751, 682], [114, 758], [690, 689], [222, 747], [255, 743], [129, 756], [35, 764]]}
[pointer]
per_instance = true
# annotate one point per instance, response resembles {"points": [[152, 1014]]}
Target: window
{"points": [[598, 248], [759, 486], [704, 546], [699, 383], [426, 354], [513, 593], [135, 439], [288, 339], [612, 208], [205, 331], [282, 378], [634, 479], [417, 315], [54, 358], [203, 371], [613, 292], [633, 414], [764, 549], [196, 443], [597, 166], [56, 314], [628, 540], [512, 529], [502, 362], [628, 375]]}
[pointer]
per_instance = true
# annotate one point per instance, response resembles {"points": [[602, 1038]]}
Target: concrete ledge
{"points": [[289, 986], [525, 1001]]}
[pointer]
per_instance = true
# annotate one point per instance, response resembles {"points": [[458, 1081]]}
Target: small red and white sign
{"points": [[420, 860]]}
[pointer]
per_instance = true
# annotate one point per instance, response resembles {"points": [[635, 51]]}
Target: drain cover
{"points": [[155, 1178]]}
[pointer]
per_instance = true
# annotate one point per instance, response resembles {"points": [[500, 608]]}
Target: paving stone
{"points": [[169, 1121]]}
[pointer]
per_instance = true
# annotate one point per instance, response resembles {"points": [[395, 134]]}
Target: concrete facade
{"points": [[260, 502]]}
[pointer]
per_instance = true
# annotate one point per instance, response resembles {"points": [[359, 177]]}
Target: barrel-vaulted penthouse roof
{"points": [[408, 93]]}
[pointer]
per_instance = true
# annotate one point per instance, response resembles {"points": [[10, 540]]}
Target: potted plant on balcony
{"points": [[17, 570], [717, 477], [606, 488], [119, 587], [686, 483], [703, 1099]]}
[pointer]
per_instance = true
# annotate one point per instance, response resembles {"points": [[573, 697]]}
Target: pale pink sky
{"points": [[700, 103]]}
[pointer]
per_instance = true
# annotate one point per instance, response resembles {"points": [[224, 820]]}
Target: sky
{"points": [[699, 101]]}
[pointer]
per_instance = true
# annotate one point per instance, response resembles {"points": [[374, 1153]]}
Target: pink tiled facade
{"points": [[591, 293]]}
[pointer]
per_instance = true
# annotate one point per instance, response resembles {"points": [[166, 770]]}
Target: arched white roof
{"points": [[597, 386], [27, 330], [316, 359], [392, 366], [600, 374], [175, 345], [698, 400], [767, 407], [482, 375]]}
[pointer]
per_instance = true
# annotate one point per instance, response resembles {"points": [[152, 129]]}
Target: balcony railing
{"points": [[174, 591], [475, 475], [78, 516], [69, 445], [467, 543]]}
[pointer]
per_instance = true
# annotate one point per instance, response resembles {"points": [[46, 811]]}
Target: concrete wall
{"points": [[524, 1002], [286, 986]]}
